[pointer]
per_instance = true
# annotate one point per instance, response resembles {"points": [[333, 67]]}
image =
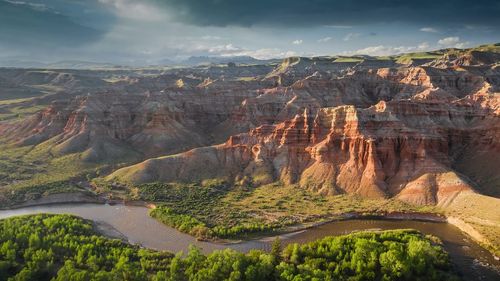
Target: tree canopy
{"points": [[65, 247]]}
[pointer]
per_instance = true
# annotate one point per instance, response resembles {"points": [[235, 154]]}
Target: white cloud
{"points": [[339, 26], [34, 6], [429, 29], [230, 50], [324, 40], [210, 37], [351, 36], [298, 42], [224, 49], [130, 9], [452, 42], [462, 45], [448, 41], [382, 50], [263, 54], [423, 46]]}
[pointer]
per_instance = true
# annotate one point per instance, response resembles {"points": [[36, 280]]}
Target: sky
{"points": [[141, 32]]}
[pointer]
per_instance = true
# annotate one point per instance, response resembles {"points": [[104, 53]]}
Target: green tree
{"points": [[276, 250]]}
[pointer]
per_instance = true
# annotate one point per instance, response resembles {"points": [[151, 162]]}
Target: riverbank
{"points": [[58, 198], [83, 198], [479, 217], [77, 198], [134, 224], [115, 260], [464, 225], [291, 230]]}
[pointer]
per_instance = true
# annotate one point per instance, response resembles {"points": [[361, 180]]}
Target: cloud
{"points": [[452, 42], [35, 6], [351, 36], [429, 29], [382, 50], [136, 10], [340, 26], [225, 49], [293, 13], [449, 41], [229, 50], [325, 39], [423, 46], [265, 53], [297, 42], [210, 37], [131, 30], [462, 45], [25, 24]]}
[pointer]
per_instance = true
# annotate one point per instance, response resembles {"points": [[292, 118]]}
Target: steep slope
{"points": [[421, 132], [399, 148]]}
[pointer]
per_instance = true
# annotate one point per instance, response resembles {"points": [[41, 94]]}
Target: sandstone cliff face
{"points": [[421, 134], [150, 123], [403, 149]]}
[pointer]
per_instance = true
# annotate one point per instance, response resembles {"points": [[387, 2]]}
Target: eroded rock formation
{"points": [[420, 133]]}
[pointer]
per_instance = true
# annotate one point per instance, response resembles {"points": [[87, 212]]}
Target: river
{"points": [[134, 224]]}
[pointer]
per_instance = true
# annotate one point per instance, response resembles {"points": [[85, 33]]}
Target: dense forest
{"points": [[65, 247]]}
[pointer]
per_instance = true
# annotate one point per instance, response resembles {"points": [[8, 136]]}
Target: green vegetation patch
{"points": [[184, 223], [349, 59], [41, 169], [31, 172], [407, 58], [224, 211], [63, 247], [200, 230], [196, 209], [18, 112]]}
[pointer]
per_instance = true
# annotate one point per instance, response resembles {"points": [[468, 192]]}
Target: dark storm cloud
{"points": [[35, 24], [308, 13]]}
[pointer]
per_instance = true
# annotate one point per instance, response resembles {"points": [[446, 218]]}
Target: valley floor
{"points": [[248, 212], [239, 212]]}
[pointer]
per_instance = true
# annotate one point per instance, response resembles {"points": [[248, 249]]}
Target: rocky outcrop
{"points": [[422, 134], [404, 149]]}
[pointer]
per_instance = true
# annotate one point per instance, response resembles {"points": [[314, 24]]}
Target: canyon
{"points": [[424, 131], [420, 132]]}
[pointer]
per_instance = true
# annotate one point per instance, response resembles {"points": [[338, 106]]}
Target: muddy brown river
{"points": [[134, 224]]}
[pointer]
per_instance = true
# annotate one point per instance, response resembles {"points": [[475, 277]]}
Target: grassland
{"points": [[239, 211], [407, 58], [31, 172], [214, 209], [349, 59], [15, 100], [14, 112], [479, 216], [16, 104], [488, 48]]}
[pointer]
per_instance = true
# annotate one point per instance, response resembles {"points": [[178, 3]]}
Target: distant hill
{"points": [[206, 60]]}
